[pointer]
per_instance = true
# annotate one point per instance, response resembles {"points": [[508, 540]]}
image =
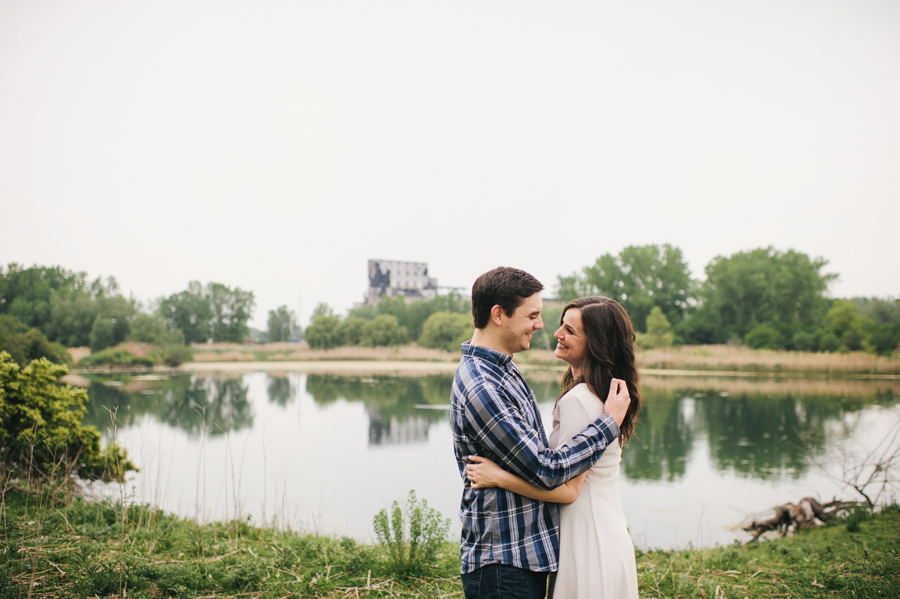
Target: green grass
{"points": [[826, 562], [85, 549]]}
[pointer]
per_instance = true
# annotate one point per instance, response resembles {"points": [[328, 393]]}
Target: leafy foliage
{"points": [[282, 324], [412, 537], [323, 332], [639, 278], [385, 330], [659, 331], [25, 345], [215, 312], [65, 306], [446, 330], [40, 427], [782, 290]]}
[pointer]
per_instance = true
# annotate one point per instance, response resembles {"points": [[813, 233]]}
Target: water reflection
{"points": [[708, 451], [210, 405], [281, 391], [392, 403], [764, 429], [757, 434]]}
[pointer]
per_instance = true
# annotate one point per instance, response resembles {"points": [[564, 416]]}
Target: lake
{"points": [[322, 453]]}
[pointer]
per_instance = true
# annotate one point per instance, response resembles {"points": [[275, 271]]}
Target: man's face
{"points": [[521, 324]]}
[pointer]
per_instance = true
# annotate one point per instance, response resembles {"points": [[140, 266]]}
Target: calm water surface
{"points": [[323, 453]]}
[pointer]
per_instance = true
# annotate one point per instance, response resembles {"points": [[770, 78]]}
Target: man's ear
{"points": [[497, 315]]}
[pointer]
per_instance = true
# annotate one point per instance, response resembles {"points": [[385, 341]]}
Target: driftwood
{"points": [[806, 513]]}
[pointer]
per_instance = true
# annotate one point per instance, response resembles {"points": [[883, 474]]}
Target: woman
{"points": [[596, 555]]}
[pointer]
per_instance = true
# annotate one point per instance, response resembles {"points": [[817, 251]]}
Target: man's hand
{"points": [[618, 400]]}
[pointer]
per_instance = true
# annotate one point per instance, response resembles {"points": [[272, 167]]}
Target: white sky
{"points": [[277, 146]]}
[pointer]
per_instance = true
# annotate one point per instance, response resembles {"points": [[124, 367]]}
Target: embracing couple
{"points": [[535, 508]]}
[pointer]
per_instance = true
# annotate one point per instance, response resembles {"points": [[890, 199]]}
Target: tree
{"points": [[148, 328], [783, 290], [215, 312], [41, 431], [24, 344], [282, 324], [25, 292], [231, 310], [63, 304], [188, 310], [322, 333], [385, 330], [659, 331], [639, 278], [848, 324], [350, 330], [446, 330]]}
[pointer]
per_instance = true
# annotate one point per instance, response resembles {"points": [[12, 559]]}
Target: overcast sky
{"points": [[277, 146]]}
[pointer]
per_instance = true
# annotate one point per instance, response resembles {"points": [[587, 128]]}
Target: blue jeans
{"points": [[499, 581]]}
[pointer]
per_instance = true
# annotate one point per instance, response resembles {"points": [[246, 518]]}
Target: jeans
{"points": [[499, 581]]}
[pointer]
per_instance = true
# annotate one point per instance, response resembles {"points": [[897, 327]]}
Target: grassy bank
{"points": [[90, 549]]}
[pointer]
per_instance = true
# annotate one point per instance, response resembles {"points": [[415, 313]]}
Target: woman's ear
{"points": [[497, 315]]}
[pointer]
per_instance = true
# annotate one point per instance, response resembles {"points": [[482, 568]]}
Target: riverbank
{"points": [[676, 360], [719, 360], [93, 549]]}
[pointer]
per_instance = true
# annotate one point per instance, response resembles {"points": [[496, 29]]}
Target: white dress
{"points": [[596, 555]]}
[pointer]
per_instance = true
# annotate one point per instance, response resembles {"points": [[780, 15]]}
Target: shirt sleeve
{"points": [[508, 439]]}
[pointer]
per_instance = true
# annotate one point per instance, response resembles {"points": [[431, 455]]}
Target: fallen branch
{"points": [[806, 513]]}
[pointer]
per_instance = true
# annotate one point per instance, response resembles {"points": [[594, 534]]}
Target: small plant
{"points": [[411, 538], [856, 517]]}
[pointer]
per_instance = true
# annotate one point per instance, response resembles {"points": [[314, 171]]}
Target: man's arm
{"points": [[515, 444]]}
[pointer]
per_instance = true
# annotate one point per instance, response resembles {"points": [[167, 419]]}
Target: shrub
{"points": [[659, 331], [41, 431], [763, 336], [323, 333], [385, 330], [411, 538], [446, 330], [116, 356], [25, 345]]}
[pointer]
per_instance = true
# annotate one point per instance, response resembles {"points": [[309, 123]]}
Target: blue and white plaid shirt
{"points": [[493, 414]]}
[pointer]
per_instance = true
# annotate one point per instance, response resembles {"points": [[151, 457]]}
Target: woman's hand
{"points": [[618, 400], [483, 473]]}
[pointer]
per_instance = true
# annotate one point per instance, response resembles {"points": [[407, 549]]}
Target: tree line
{"points": [[44, 310], [441, 322], [762, 298]]}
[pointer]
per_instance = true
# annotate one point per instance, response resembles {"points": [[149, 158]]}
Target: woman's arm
{"points": [[483, 473]]}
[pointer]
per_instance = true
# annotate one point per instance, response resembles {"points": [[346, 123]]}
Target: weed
{"points": [[412, 539]]}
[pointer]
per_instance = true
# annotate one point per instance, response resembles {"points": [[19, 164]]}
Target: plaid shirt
{"points": [[493, 414]]}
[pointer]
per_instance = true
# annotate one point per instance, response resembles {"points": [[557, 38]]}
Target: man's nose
{"points": [[539, 324]]}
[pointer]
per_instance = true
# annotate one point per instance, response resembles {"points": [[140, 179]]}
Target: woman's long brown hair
{"points": [[610, 354]]}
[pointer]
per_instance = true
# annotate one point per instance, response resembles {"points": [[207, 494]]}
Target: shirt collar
{"points": [[477, 351]]}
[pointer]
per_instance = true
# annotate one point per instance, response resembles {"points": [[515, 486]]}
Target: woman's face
{"points": [[571, 345]]}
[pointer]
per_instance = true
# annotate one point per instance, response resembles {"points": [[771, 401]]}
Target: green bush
{"points": [[41, 434], [25, 345], [446, 330], [659, 331], [411, 538], [323, 332], [116, 356], [385, 330], [763, 336]]}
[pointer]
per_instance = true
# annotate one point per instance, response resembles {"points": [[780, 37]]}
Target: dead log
{"points": [[806, 513]]}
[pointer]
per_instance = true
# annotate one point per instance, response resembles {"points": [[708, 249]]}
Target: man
{"points": [[510, 543]]}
